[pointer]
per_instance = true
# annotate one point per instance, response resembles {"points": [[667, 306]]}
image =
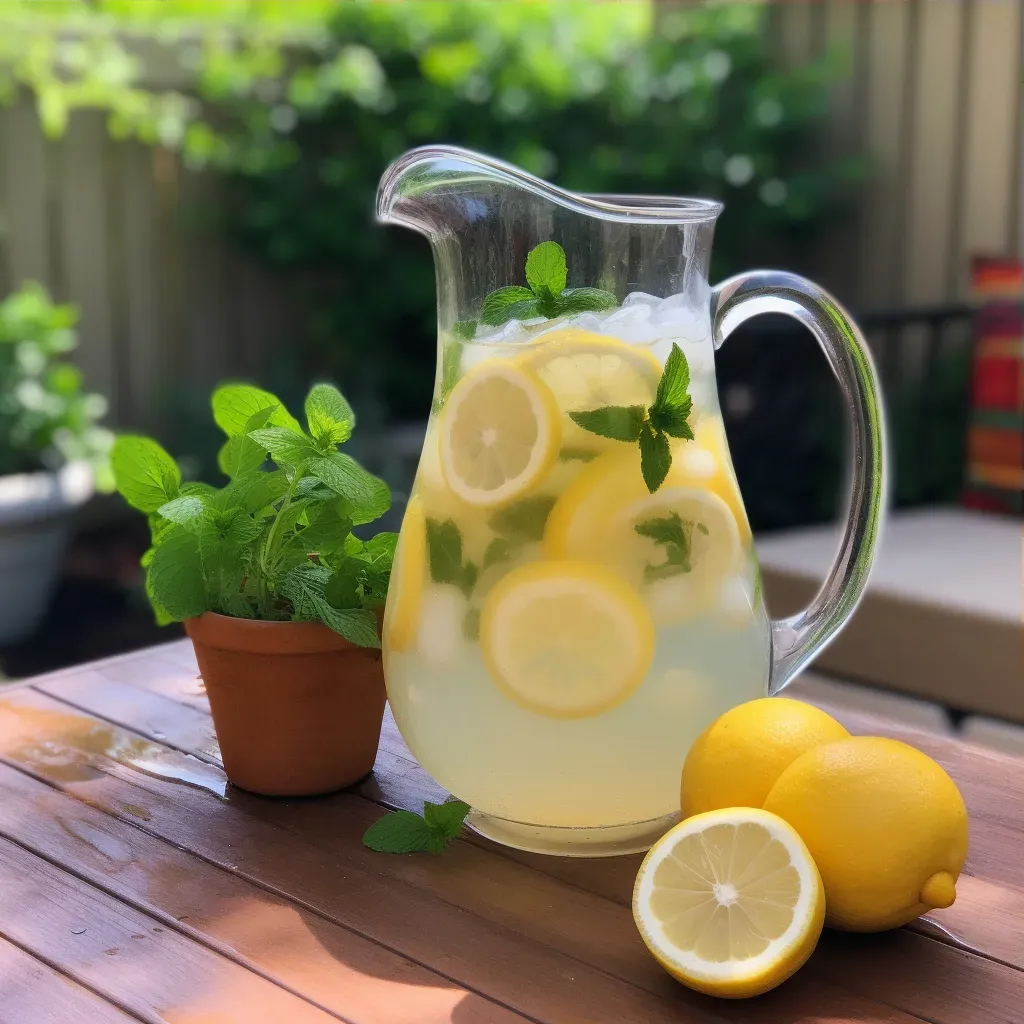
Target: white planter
{"points": [[35, 523]]}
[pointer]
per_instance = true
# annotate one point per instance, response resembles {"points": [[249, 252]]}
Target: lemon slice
{"points": [[408, 578], [587, 371], [499, 434], [565, 639], [730, 902]]}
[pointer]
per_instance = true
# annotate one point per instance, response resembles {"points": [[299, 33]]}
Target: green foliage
{"points": [[304, 102], [406, 832], [276, 541], [669, 416], [46, 418]]}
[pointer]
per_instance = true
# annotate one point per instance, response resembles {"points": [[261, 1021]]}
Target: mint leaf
{"points": [[175, 575], [584, 300], [253, 490], [619, 422], [673, 420], [577, 455], [185, 511], [329, 417], [447, 818], [367, 497], [444, 551], [357, 625], [525, 520], [451, 363], [286, 447], [305, 585], [146, 476], [675, 381], [674, 534], [382, 545], [545, 269], [497, 307], [465, 329], [398, 832], [241, 454], [499, 550], [234, 405], [655, 457]]}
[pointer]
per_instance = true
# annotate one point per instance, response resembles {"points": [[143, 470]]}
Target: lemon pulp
{"points": [[730, 902]]}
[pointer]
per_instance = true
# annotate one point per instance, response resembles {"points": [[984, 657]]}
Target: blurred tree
{"points": [[302, 103]]}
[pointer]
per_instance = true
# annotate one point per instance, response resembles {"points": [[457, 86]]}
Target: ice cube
{"points": [[640, 299], [584, 322], [672, 309], [637, 313], [439, 639], [633, 332]]}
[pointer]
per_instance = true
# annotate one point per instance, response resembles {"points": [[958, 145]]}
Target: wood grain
{"points": [[335, 968], [32, 992], [146, 968]]}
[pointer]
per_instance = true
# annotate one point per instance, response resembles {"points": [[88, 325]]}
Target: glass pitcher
{"points": [[575, 594]]}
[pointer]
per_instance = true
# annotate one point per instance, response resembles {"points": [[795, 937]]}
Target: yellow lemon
{"points": [[885, 824], [730, 902], [588, 371], [408, 578], [499, 434], [736, 760], [566, 639]]}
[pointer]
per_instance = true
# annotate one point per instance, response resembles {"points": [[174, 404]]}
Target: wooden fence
{"points": [[932, 93]]}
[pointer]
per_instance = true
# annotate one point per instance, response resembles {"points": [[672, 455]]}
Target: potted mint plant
{"points": [[52, 452], [281, 600]]}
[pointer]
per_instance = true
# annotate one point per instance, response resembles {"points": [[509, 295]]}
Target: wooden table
{"points": [[136, 885]]}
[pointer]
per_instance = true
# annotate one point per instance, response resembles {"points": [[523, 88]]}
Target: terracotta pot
{"points": [[297, 708]]}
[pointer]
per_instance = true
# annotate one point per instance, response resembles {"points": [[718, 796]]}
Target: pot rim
{"points": [[258, 636]]}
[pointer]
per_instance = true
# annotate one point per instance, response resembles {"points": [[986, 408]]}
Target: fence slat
{"points": [[23, 163], [84, 240]]}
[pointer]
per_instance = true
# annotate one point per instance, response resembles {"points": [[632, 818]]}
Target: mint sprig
{"points": [[651, 428], [546, 295], [275, 542], [675, 535], [408, 832]]}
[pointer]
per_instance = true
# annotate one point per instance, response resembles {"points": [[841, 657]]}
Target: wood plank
{"points": [[32, 992], [150, 970], [988, 917], [435, 910], [339, 970]]}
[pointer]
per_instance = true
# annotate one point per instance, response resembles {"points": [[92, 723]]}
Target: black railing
{"points": [[785, 421]]}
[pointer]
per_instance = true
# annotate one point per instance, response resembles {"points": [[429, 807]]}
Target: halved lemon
{"points": [[587, 371], [499, 434], [730, 902], [408, 579], [566, 639]]}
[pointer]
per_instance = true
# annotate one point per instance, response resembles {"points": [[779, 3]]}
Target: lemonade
{"points": [[558, 633]]}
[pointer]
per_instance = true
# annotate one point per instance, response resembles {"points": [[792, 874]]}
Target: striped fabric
{"points": [[995, 438]]}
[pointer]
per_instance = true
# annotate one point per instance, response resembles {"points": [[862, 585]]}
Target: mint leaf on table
{"points": [[398, 832], [329, 417], [146, 475], [655, 457], [407, 832], [497, 307], [668, 416], [525, 520], [546, 269], [619, 422]]}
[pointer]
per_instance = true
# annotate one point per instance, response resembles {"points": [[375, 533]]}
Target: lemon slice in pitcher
{"points": [[500, 434], [565, 639], [587, 371], [408, 578], [730, 902]]}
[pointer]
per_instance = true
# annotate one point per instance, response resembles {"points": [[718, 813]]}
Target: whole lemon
{"points": [[885, 824], [736, 759]]}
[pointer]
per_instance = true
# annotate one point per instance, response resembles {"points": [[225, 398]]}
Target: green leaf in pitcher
{"points": [[668, 416], [675, 535]]}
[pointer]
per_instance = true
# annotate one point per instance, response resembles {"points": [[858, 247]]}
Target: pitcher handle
{"points": [[797, 639]]}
